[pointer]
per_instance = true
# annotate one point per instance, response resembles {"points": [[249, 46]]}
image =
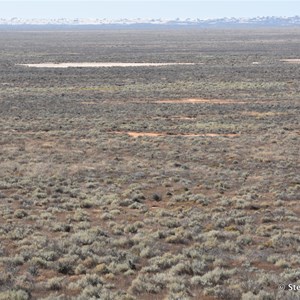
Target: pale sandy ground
{"points": [[99, 65], [291, 60], [120, 64]]}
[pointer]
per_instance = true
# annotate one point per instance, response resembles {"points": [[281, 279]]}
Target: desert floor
{"points": [[176, 181]]}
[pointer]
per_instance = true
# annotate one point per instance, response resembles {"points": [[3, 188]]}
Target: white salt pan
{"points": [[291, 60]]}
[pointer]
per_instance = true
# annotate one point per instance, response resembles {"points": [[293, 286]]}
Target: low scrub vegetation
{"points": [[206, 210]]}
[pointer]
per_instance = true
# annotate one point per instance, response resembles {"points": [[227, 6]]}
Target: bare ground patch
{"points": [[88, 103], [291, 60], [155, 134], [99, 65], [182, 118], [199, 100]]}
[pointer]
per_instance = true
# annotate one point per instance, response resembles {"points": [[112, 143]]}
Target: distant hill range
{"points": [[207, 23]]}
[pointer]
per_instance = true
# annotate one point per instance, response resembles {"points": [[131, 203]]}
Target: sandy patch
{"points": [[88, 103], [182, 118], [291, 60], [137, 134], [48, 145], [155, 134], [211, 101], [99, 65]]}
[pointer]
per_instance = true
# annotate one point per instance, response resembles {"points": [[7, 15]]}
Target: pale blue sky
{"points": [[147, 9]]}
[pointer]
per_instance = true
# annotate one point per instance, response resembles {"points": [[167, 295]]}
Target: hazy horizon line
{"points": [[151, 18]]}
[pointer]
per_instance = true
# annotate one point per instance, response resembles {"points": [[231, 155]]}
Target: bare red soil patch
{"points": [[155, 134]]}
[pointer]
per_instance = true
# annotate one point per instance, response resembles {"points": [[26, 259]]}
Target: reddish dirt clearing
{"points": [[155, 134]]}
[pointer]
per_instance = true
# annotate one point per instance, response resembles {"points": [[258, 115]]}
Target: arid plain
{"points": [[174, 181]]}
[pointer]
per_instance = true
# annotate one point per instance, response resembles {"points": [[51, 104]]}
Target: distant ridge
{"points": [[271, 21]]}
